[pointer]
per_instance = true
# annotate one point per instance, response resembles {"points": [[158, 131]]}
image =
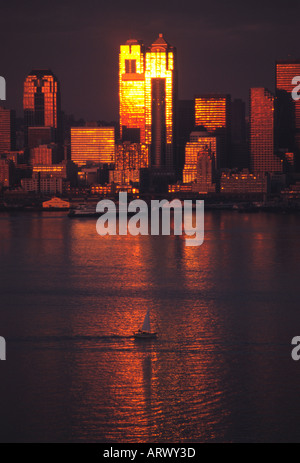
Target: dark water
{"points": [[221, 369]]}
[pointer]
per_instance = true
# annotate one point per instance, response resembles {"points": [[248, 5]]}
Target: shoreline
{"points": [[244, 208]]}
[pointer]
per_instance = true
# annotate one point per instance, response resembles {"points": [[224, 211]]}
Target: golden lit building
{"points": [[199, 177], [132, 91], [200, 142], [287, 109], [212, 111], [199, 168], [41, 100], [92, 145], [102, 190], [262, 154], [160, 98], [147, 87]]}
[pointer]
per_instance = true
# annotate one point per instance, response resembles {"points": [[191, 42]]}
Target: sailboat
{"points": [[145, 331]]}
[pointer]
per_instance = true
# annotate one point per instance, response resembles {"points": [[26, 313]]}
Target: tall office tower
{"points": [[239, 148], [41, 101], [212, 111], [200, 142], [185, 122], [7, 130], [238, 121], [287, 109], [132, 91], [148, 91], [160, 103], [262, 154], [92, 145]]}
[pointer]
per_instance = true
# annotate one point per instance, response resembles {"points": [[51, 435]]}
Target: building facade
{"points": [[148, 91], [213, 112], [6, 173], [45, 155], [262, 156], [132, 91], [92, 145], [130, 159], [44, 185], [200, 142], [42, 102], [7, 130], [239, 151], [40, 136], [287, 109], [160, 102], [243, 183]]}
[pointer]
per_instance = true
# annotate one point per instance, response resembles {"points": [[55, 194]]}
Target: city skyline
{"points": [[228, 52], [211, 94], [149, 115]]}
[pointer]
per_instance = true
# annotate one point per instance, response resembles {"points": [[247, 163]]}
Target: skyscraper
{"points": [[41, 101], [212, 111], [7, 130], [238, 121], [132, 91], [185, 123], [147, 88], [160, 101], [262, 154], [287, 110], [239, 149]]}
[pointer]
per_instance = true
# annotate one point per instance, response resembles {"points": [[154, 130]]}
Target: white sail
{"points": [[146, 324]]}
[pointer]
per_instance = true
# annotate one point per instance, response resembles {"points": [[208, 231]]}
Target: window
{"points": [[130, 66]]}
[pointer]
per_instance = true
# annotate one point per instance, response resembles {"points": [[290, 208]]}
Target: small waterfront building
{"points": [[56, 203]]}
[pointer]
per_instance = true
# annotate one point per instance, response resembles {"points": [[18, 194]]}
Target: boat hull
{"points": [[144, 335]]}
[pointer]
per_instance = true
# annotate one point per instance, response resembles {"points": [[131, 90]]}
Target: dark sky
{"points": [[222, 46]]}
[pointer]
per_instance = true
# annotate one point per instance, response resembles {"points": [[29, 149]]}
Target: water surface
{"points": [[221, 368]]}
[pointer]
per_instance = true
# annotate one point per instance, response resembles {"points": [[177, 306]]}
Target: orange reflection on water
{"points": [[160, 388]]}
